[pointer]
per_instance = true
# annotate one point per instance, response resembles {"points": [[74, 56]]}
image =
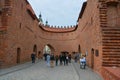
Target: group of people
{"points": [[62, 59], [33, 57], [57, 59], [65, 59]]}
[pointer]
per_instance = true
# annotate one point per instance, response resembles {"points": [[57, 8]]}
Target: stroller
{"points": [[82, 63]]}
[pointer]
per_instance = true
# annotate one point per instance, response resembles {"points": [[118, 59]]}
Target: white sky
{"points": [[58, 12]]}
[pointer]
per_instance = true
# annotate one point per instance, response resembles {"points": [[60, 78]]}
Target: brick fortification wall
{"points": [[59, 38], [24, 34], [96, 35], [90, 34], [99, 28]]}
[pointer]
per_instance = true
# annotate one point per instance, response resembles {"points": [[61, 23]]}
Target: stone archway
{"points": [[48, 49]]}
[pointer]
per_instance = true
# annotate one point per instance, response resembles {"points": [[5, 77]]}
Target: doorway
{"points": [[35, 50], [18, 55], [48, 49], [79, 49], [92, 58]]}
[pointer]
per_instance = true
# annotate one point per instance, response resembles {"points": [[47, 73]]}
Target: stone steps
{"points": [[103, 15], [111, 53], [111, 46], [110, 38], [8, 7], [113, 56]]}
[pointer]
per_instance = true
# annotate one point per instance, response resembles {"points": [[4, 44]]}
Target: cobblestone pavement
{"points": [[86, 74], [40, 71]]}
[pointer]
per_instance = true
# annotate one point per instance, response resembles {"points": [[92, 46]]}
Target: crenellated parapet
{"points": [[58, 29]]}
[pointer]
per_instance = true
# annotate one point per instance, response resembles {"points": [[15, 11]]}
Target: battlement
{"points": [[58, 29]]}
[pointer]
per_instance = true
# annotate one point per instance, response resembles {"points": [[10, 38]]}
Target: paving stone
{"points": [[40, 71]]}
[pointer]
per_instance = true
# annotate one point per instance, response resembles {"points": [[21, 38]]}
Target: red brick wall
{"points": [[109, 73], [59, 41], [90, 33], [23, 33]]}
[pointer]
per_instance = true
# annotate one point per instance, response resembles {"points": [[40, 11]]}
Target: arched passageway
{"points": [[48, 49]]}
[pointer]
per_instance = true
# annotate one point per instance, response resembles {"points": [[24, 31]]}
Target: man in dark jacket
{"points": [[52, 60], [33, 57]]}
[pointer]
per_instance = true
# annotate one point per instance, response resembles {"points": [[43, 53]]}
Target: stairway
{"points": [[111, 46], [110, 39], [7, 2], [8, 7]]}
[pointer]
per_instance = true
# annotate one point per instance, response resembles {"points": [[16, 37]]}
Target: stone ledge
{"points": [[111, 73]]}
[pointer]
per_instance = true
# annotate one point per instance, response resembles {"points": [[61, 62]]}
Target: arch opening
{"points": [[92, 58], [35, 50], [48, 49]]}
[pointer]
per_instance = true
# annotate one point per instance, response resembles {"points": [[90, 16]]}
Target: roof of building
{"points": [[31, 11], [82, 10]]}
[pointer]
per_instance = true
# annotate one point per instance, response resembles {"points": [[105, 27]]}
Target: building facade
{"points": [[97, 35]]}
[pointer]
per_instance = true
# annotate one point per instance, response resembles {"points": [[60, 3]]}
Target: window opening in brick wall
{"points": [[79, 48], [96, 53], [91, 20], [18, 55], [20, 25]]}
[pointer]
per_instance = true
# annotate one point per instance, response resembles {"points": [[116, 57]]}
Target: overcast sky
{"points": [[58, 12]]}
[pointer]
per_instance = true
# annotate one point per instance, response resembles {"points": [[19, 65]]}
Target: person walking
{"points": [[48, 59], [61, 59], [64, 59], [84, 60], [52, 60], [33, 57], [56, 60], [69, 56], [67, 59], [45, 56]]}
